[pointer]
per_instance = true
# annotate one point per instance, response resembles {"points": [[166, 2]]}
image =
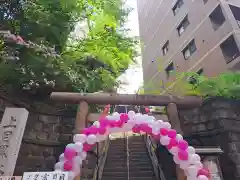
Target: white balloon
{"points": [[76, 171], [202, 177], [79, 147], [79, 138], [110, 117], [127, 127], [83, 155], [174, 150], [164, 140], [192, 171], [194, 158], [70, 146], [184, 164], [71, 175], [114, 130], [58, 166], [115, 114], [131, 114], [191, 150], [131, 122], [91, 139], [61, 157], [97, 124], [198, 164], [158, 123], [77, 161], [191, 178], [58, 170], [166, 125], [155, 130], [179, 137]]}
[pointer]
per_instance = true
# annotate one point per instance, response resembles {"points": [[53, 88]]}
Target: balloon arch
{"points": [[183, 154]]}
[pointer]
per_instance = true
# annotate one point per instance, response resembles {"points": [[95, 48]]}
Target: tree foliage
{"points": [[39, 56]]}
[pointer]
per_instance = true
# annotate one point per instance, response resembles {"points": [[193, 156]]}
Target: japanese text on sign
{"points": [[45, 176]]}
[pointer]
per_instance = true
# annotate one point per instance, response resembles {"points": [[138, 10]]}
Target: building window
{"points": [[177, 6], [217, 18], [236, 13], [205, 1], [189, 49], [165, 48], [200, 72], [194, 79], [169, 69], [183, 26], [230, 49]]}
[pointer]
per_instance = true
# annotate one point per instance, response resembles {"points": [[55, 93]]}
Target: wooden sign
{"points": [[45, 175], [11, 132]]}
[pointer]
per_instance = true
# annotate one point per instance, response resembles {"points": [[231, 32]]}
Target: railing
{"points": [[127, 149], [101, 158], [156, 166]]}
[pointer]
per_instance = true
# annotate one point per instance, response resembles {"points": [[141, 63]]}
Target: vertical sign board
{"points": [[45, 175], [11, 132]]}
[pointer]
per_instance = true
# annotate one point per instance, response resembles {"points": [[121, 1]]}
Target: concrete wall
{"points": [[216, 123], [45, 137]]}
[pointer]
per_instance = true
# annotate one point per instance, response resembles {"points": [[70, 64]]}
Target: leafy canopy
{"points": [[48, 59]]}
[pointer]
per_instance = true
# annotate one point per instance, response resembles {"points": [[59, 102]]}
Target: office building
{"points": [[200, 36]]}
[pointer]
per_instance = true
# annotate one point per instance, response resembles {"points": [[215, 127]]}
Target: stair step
{"points": [[134, 168], [131, 174], [130, 178]]}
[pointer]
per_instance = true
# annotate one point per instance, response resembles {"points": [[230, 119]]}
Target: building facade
{"points": [[200, 36]]}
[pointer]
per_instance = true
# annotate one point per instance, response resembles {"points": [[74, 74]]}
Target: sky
{"points": [[133, 76]]}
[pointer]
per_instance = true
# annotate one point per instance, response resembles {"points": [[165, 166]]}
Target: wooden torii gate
{"points": [[83, 99]]}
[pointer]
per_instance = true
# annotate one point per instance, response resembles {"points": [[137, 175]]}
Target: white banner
{"points": [[45, 175]]}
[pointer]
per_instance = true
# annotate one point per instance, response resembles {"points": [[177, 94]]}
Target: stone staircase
{"points": [[140, 166]]}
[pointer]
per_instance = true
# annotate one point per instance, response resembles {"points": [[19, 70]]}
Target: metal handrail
{"points": [[101, 160], [127, 148], [157, 168]]}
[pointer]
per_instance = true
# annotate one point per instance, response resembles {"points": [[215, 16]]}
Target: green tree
{"points": [[48, 59]]}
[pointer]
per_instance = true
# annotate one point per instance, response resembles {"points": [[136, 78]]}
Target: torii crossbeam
{"points": [[127, 99]]}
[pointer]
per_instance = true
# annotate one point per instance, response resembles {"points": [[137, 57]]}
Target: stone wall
{"points": [[46, 134], [216, 123]]}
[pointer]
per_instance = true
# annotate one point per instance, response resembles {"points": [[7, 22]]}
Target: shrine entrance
{"points": [[184, 155]]}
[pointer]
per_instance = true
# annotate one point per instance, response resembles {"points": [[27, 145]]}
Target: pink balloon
{"points": [[119, 123], [182, 144], [101, 130], [173, 142], [163, 131], [70, 153], [68, 166], [136, 129], [92, 130], [169, 147], [87, 147], [124, 117], [172, 133], [104, 122], [183, 155], [84, 131], [204, 172], [145, 128], [112, 123]]}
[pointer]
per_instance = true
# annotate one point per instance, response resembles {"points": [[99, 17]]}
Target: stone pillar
{"points": [[80, 122]]}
